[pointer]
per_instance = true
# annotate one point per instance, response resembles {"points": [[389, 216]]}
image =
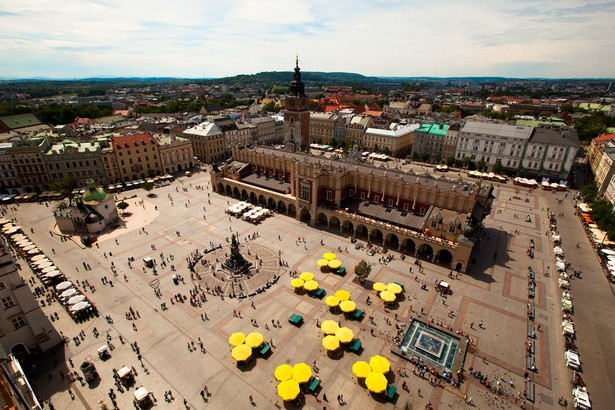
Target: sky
{"points": [[206, 38]]}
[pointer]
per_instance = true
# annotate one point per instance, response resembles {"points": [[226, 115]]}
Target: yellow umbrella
{"points": [[387, 296], [379, 286], [335, 264], [255, 339], [394, 287], [330, 342], [380, 364], [322, 263], [361, 369], [241, 353], [310, 285], [329, 327], [283, 372], [329, 256], [342, 294], [237, 338], [344, 334], [302, 373], [288, 389], [297, 283], [332, 301], [376, 382], [306, 276], [348, 306]]}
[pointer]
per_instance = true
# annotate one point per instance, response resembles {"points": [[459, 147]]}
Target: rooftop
{"points": [[14, 122], [396, 133], [497, 130], [434, 129], [204, 129], [555, 135], [133, 140]]}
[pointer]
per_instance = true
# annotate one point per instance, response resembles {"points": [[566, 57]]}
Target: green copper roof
{"points": [[94, 195], [434, 129]]}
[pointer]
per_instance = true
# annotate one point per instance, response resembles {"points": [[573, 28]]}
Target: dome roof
{"points": [[93, 218], [94, 195]]}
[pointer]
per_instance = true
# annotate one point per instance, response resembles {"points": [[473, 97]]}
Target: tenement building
{"points": [[432, 219]]}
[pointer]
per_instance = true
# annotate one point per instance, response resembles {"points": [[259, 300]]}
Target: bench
{"points": [[265, 350], [530, 392], [401, 286], [355, 346], [296, 319], [318, 294], [314, 383], [358, 314], [391, 391], [341, 271]]}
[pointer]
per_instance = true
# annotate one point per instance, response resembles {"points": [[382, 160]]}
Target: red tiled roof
{"points": [[373, 113], [604, 137], [133, 140]]}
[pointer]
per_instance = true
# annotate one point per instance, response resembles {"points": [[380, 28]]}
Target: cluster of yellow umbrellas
{"points": [[341, 298], [334, 335], [388, 292], [290, 377], [373, 372], [305, 281], [243, 344], [329, 259]]}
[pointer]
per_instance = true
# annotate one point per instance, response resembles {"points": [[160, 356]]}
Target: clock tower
{"points": [[297, 115]]}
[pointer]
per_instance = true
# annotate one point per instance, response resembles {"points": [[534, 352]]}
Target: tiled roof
{"points": [[133, 140], [20, 121], [604, 137]]}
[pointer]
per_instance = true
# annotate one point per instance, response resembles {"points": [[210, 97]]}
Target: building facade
{"points": [[208, 142], [430, 143], [24, 327], [551, 151], [9, 181], [596, 148], [265, 130], [137, 156], [28, 164], [397, 140], [176, 153], [77, 161], [385, 207], [493, 143], [323, 126]]}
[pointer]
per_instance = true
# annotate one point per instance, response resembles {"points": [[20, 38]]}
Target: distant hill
{"points": [[284, 77]]}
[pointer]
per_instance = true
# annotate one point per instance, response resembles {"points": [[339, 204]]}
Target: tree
{"points": [[481, 164], [498, 167], [148, 186], [362, 270], [386, 151], [589, 192], [450, 160], [122, 206]]}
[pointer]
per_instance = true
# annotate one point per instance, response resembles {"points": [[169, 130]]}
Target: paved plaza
{"points": [[181, 219]]}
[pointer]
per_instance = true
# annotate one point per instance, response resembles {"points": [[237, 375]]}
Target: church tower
{"points": [[297, 115]]}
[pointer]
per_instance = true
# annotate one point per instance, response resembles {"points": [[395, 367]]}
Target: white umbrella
{"points": [[79, 306], [34, 251], [76, 299], [53, 274], [43, 262], [28, 247], [141, 393], [68, 293], [13, 230], [607, 251], [38, 257], [4, 221], [49, 268], [62, 286]]}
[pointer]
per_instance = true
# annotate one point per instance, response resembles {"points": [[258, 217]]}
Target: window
{"points": [[18, 322], [451, 229], [2, 286], [362, 195], [305, 192], [406, 206], [376, 198], [7, 302], [390, 202], [351, 193], [434, 224], [329, 195]]}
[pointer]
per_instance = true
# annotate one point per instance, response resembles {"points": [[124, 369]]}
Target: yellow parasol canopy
{"points": [[379, 286], [322, 263], [376, 382], [255, 339], [332, 301], [387, 296], [361, 369], [310, 285], [335, 264], [241, 353], [330, 342], [380, 364], [342, 294], [329, 327], [302, 373], [283, 372], [394, 288], [288, 389], [306, 276], [237, 338], [329, 256], [297, 283], [348, 306], [344, 334]]}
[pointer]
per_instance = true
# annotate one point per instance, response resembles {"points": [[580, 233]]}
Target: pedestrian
{"points": [[134, 327]]}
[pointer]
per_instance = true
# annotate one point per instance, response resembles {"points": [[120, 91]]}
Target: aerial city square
{"points": [[190, 238]]}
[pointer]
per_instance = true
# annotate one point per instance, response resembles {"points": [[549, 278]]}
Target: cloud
{"points": [[388, 37]]}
